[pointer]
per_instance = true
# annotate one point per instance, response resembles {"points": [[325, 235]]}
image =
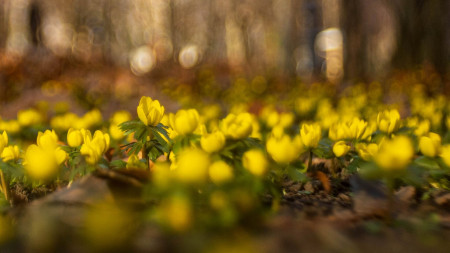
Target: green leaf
{"points": [[130, 126], [427, 163], [324, 149], [160, 139], [354, 164], [296, 175], [154, 153], [141, 133], [118, 164]]}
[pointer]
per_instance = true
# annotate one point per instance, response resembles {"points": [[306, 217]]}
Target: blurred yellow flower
{"points": [[445, 154], [367, 151], [120, 117], [74, 137], [192, 166], [255, 161], [310, 135], [388, 121], [10, 153], [430, 145], [185, 121], [42, 163], [212, 142], [237, 127], [395, 154], [149, 111], [176, 212], [220, 172], [340, 148], [284, 149], [29, 117]]}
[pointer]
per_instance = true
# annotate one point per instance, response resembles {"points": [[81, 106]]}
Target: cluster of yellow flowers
{"points": [[202, 148]]}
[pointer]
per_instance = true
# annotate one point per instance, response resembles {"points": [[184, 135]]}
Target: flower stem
{"points": [[309, 161], [4, 185]]}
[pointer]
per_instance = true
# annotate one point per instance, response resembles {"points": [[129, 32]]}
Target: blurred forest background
{"points": [[315, 40]]}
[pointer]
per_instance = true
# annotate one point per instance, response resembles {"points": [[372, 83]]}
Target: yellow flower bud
{"points": [[445, 154], [430, 145], [367, 151], [388, 121], [192, 166], [284, 149], [310, 135], [3, 141], [340, 148], [220, 172], [237, 127], [47, 139], [149, 111], [255, 161], [74, 137], [134, 163], [212, 142], [10, 153], [185, 121], [395, 154], [94, 147]]}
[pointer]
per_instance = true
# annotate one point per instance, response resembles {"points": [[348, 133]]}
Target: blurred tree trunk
{"points": [[3, 23], [421, 34], [355, 57]]}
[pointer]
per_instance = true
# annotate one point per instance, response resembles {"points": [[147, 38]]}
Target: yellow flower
{"points": [[445, 154], [286, 119], [185, 121], [212, 142], [220, 172], [115, 132], [94, 148], [149, 111], [388, 121], [367, 151], [237, 127], [29, 117], [430, 145], [357, 128], [284, 149], [10, 153], [255, 161], [3, 141], [41, 163], [47, 139], [120, 117], [134, 163], [10, 126], [337, 132], [420, 127], [310, 135], [192, 166], [340, 148], [395, 154], [89, 119], [74, 137]]}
